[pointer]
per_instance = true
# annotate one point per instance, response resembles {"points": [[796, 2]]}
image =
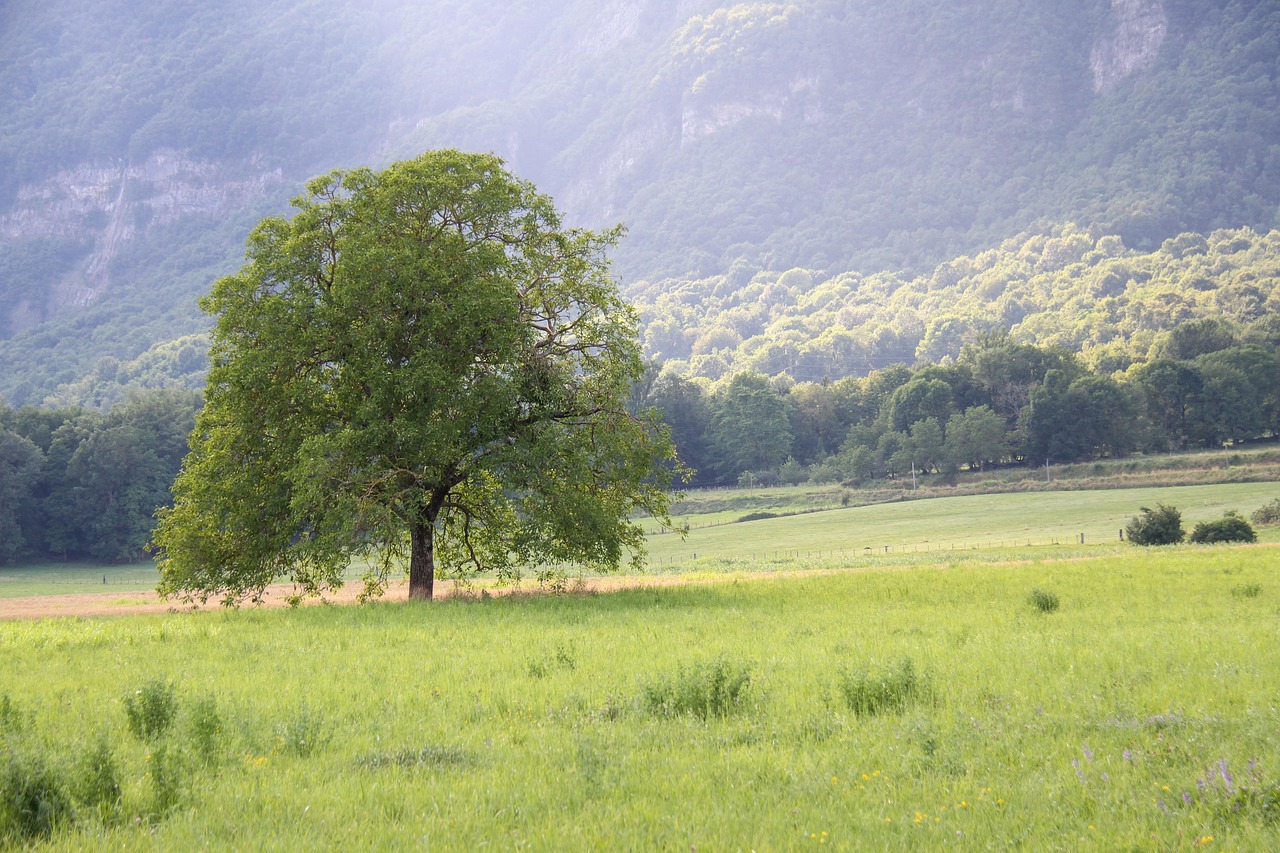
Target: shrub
{"points": [[98, 782], [151, 709], [33, 798], [1230, 528], [1267, 514], [1043, 600], [870, 692], [204, 730], [758, 516], [303, 734], [707, 689], [1159, 526], [168, 775]]}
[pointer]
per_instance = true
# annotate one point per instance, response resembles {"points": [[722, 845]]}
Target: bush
{"points": [[708, 689], [1043, 600], [204, 730], [33, 799], [892, 690], [97, 783], [151, 709], [1267, 514], [1159, 526], [757, 516], [1230, 528]]}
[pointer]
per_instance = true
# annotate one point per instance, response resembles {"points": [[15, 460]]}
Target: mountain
{"points": [[141, 142]]}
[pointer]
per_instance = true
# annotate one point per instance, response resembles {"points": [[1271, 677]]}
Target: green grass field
{"points": [[890, 708], [943, 524], [72, 578], [1000, 526]]}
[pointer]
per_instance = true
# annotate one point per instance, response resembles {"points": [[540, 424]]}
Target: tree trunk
{"points": [[422, 561]]}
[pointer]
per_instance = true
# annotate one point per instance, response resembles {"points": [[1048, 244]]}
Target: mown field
{"points": [[907, 705], [996, 526]]}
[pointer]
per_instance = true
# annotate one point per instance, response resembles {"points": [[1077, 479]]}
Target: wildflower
{"points": [[1226, 775]]}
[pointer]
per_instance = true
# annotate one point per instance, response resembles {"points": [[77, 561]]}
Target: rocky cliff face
{"points": [[116, 204], [1138, 29]]}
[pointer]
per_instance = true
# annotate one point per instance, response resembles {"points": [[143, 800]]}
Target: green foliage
{"points": [[205, 733], [705, 689], [1248, 590], [759, 515], [34, 802], [870, 691], [97, 782], [151, 709], [1044, 600], [304, 732], [1267, 514], [1232, 527], [440, 370], [1159, 526]]}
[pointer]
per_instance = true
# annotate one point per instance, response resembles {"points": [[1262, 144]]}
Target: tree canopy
{"points": [[422, 361]]}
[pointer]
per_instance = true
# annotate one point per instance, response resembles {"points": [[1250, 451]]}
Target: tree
{"points": [[20, 465], [422, 361], [976, 436], [750, 426], [1159, 526]]}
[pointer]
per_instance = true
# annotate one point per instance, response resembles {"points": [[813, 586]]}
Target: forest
{"points": [[78, 484], [1209, 383]]}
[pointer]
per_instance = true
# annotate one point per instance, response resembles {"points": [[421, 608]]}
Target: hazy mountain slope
{"points": [[139, 143]]}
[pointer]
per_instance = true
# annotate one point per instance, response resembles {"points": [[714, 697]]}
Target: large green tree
{"points": [[423, 361]]}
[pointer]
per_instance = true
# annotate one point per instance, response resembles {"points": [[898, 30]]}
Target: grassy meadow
{"points": [[1126, 701]]}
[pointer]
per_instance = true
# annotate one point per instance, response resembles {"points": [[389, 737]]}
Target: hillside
{"points": [[1069, 288], [140, 145]]}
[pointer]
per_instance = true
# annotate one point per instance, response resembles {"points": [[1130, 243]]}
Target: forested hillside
{"points": [[735, 140], [1068, 288]]}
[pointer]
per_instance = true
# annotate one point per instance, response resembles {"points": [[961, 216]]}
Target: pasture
{"points": [[903, 705]]}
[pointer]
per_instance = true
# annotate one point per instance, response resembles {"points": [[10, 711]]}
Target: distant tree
{"points": [[818, 421], [921, 398], [1008, 370], [422, 362], [107, 474], [1066, 420], [20, 466], [1159, 526], [750, 426], [1195, 338], [685, 411], [1171, 391], [975, 437]]}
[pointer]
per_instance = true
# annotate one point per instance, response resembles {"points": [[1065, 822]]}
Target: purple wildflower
{"points": [[1226, 775]]}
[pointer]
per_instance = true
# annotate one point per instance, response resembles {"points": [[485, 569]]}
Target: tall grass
{"points": [[533, 721]]}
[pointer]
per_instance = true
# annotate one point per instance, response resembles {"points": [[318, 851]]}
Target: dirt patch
{"points": [[128, 604]]}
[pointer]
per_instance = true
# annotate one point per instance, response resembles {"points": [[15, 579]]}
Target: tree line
{"points": [[79, 484], [1207, 383]]}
